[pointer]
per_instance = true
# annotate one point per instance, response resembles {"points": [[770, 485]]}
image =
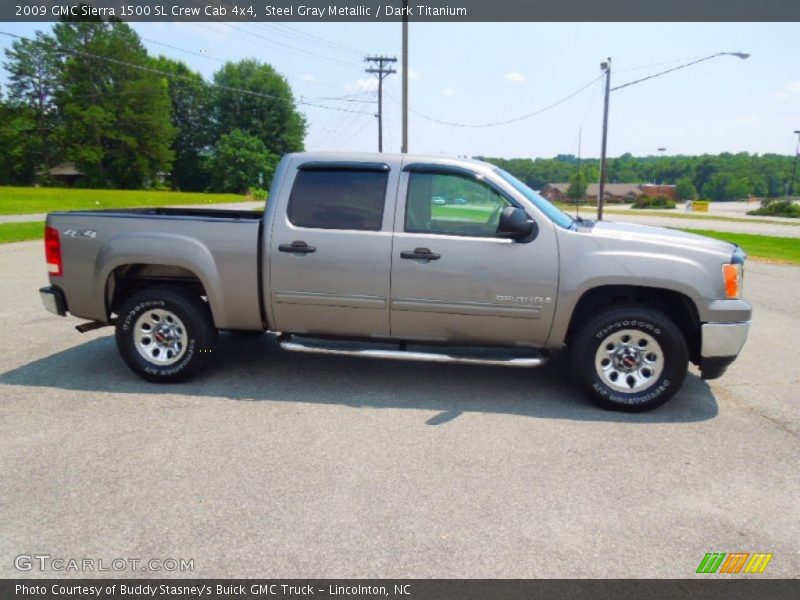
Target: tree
{"points": [[115, 112], [19, 158], [190, 102], [238, 160], [577, 186], [267, 112], [32, 67], [685, 190]]}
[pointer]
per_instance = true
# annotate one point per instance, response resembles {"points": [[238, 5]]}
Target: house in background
{"points": [[614, 192], [67, 173]]}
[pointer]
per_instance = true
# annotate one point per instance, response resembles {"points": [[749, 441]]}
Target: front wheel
{"points": [[165, 334], [630, 358]]}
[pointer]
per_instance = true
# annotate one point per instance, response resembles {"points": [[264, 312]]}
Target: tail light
{"points": [[52, 252]]}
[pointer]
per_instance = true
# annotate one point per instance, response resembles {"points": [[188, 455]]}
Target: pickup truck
{"points": [[356, 254]]}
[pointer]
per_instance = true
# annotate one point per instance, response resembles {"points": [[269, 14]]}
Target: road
{"points": [[284, 465], [774, 229]]}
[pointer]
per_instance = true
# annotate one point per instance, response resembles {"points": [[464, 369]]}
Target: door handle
{"points": [[420, 254], [297, 248]]}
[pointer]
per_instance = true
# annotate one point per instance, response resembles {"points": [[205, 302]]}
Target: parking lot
{"points": [[289, 465]]}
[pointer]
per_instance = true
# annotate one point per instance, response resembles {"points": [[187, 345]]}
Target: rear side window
{"points": [[338, 199]]}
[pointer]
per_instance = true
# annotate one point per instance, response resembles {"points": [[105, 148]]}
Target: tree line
{"points": [[719, 177], [88, 92]]}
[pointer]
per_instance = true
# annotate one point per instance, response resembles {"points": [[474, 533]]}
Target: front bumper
{"points": [[53, 300], [720, 345]]}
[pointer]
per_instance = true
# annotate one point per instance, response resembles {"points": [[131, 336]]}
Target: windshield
{"points": [[551, 212]]}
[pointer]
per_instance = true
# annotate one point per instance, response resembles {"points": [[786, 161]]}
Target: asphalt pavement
{"points": [[287, 465]]}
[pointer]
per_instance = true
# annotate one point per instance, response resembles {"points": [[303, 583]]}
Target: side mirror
{"points": [[514, 223]]}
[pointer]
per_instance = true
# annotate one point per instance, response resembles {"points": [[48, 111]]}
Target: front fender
{"points": [[676, 273]]}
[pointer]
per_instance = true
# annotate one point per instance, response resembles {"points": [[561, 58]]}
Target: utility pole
{"points": [[794, 169], [382, 71], [605, 67], [661, 168], [579, 180], [404, 142]]}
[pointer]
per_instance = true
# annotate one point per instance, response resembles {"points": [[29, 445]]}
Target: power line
{"points": [[308, 38], [505, 121], [183, 77], [352, 135], [295, 48], [658, 64], [219, 60], [679, 67]]}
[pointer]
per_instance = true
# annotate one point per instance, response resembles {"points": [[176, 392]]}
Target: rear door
{"points": [[453, 278], [330, 249]]}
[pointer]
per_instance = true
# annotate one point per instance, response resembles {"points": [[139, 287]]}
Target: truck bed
{"points": [[220, 248], [192, 213]]}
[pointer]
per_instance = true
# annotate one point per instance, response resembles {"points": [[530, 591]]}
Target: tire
{"points": [[165, 334], [630, 357]]}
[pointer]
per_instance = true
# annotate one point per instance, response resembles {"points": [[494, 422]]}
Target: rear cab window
{"points": [[346, 197]]}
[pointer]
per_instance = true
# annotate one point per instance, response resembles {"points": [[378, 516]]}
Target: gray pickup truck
{"points": [[407, 257]]}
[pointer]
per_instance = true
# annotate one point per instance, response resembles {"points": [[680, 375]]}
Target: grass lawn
{"points": [[19, 232], [33, 200], [472, 213], [759, 246]]}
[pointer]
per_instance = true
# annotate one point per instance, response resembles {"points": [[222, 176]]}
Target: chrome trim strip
{"points": [[476, 309], [325, 299]]}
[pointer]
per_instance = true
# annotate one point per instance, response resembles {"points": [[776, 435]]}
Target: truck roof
{"points": [[392, 157]]}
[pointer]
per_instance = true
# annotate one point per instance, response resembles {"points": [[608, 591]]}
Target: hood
{"points": [[660, 236]]}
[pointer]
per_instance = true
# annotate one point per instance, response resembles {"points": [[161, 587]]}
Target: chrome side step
{"points": [[348, 349]]}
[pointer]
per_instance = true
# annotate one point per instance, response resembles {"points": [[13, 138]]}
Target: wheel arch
{"points": [[131, 262], [676, 305]]}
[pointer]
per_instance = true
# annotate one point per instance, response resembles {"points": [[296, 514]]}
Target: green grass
{"points": [[475, 214], [19, 232], [33, 200], [759, 246]]}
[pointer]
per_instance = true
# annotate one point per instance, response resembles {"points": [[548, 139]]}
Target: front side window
{"points": [[338, 199], [452, 204]]}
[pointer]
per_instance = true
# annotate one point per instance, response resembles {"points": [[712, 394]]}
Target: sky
{"points": [[478, 73]]}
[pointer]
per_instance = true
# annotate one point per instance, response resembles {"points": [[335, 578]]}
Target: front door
{"points": [[453, 278], [330, 250]]}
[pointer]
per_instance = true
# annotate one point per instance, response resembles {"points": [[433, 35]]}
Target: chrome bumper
{"points": [[53, 300], [723, 339]]}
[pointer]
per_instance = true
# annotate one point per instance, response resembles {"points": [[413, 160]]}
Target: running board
{"points": [[327, 347]]}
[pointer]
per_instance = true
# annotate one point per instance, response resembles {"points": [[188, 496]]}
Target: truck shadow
{"points": [[255, 369]]}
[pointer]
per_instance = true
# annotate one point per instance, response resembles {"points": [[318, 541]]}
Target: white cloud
{"points": [[449, 92], [308, 77], [515, 77], [366, 84], [790, 90], [412, 74]]}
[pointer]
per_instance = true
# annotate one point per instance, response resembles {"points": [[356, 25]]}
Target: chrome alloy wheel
{"points": [[629, 361], [160, 337]]}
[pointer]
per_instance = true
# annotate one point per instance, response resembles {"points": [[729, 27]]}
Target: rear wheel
{"points": [[630, 357], [165, 334]]}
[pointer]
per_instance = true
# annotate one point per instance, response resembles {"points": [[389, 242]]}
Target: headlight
{"points": [[732, 278]]}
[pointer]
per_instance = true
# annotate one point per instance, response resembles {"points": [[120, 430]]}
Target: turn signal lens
{"points": [[732, 276]]}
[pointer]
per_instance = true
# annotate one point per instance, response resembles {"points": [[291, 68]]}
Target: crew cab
{"points": [[356, 254]]}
